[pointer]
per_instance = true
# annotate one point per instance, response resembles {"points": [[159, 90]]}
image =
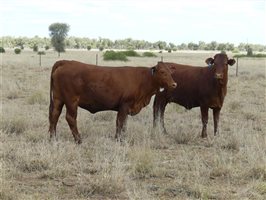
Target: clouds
{"points": [[173, 21]]}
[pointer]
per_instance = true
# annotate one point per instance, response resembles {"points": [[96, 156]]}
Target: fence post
{"points": [[40, 59], [96, 59], [237, 66], [161, 58]]}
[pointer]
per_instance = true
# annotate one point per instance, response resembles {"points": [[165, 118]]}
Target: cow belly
{"points": [[187, 103], [95, 108]]}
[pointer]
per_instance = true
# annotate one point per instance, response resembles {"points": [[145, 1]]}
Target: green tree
{"points": [[58, 33], [213, 45], [249, 50]]}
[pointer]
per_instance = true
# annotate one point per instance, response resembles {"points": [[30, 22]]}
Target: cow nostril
{"points": [[174, 85]]}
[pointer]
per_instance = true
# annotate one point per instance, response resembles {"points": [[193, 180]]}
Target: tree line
{"points": [[128, 43]]}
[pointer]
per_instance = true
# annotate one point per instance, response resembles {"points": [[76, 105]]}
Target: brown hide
{"points": [[97, 88], [203, 87]]}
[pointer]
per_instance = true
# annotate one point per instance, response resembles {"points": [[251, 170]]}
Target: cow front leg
{"points": [[216, 115], [204, 119], [71, 117], [159, 105], [121, 122]]}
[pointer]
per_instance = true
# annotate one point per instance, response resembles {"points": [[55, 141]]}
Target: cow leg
{"points": [[121, 122], [204, 119], [216, 114], [159, 105], [54, 113], [71, 117]]}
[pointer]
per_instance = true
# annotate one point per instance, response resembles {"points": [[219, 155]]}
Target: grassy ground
{"points": [[149, 165]]}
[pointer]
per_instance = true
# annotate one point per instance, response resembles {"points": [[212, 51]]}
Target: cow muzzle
{"points": [[218, 76]]}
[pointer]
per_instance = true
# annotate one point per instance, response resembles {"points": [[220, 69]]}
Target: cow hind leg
{"points": [[71, 117], [204, 119], [216, 114], [54, 113]]}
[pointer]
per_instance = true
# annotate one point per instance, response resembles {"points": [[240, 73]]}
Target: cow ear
{"points": [[231, 62], [209, 61], [153, 69]]}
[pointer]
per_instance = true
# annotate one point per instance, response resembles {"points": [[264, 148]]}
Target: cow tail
{"points": [[51, 107]]}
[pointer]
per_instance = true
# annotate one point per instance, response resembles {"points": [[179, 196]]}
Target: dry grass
{"points": [[149, 164]]}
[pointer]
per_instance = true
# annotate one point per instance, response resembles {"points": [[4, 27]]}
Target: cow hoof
{"points": [[78, 142], [203, 136]]}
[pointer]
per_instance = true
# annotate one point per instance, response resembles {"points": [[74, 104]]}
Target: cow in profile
{"points": [[97, 88], [203, 87]]}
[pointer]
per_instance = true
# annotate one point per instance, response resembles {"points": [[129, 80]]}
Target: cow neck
{"points": [[222, 86], [153, 85]]}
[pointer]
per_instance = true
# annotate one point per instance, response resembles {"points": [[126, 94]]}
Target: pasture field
{"points": [[148, 165]]}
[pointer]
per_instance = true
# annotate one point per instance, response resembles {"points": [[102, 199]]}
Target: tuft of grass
{"points": [[14, 126], [7, 193], [261, 188], [13, 94], [231, 143], [250, 116], [183, 138], [101, 186], [103, 116], [142, 162], [34, 165], [220, 171], [37, 98], [234, 106], [258, 172]]}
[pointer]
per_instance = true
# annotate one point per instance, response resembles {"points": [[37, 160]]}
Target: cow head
{"points": [[220, 63], [162, 75]]}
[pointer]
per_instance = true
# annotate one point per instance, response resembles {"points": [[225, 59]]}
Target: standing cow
{"points": [[123, 89], [203, 87]]}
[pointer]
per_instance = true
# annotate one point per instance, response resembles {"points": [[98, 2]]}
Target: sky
{"points": [[176, 21]]}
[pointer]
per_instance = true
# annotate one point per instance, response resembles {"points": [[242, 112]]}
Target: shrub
{"points": [[235, 51], [130, 53], [46, 47], [149, 54], [2, 50], [223, 52], [112, 55], [35, 48], [17, 50], [41, 53], [88, 48], [169, 50], [101, 48]]}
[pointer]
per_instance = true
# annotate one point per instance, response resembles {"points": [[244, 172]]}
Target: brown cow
{"points": [[203, 87], [123, 89]]}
